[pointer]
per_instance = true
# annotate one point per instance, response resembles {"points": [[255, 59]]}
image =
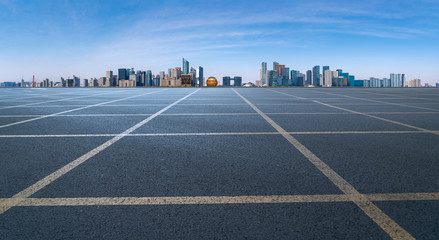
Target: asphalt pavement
{"points": [[219, 163]]}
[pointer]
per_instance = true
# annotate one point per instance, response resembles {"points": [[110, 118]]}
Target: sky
{"points": [[61, 38]]}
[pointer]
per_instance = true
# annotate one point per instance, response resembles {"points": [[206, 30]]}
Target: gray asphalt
{"points": [[245, 160]]}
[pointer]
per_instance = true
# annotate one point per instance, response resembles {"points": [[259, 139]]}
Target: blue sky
{"points": [[60, 38]]}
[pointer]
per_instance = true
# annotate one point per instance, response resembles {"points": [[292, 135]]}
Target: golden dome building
{"points": [[211, 82]]}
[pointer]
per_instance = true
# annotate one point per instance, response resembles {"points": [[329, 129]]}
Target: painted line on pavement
{"points": [[205, 134], [251, 199]]}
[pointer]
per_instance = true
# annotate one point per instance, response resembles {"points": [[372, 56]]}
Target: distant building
{"points": [[200, 76], [316, 75], [275, 64], [308, 78], [149, 78], [85, 82], [77, 81], [272, 78], [437, 84], [226, 81], [122, 74], [263, 81], [185, 66], [193, 72], [186, 80], [414, 83]]}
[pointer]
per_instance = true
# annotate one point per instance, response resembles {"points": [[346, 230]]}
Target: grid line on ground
{"points": [[393, 229], [249, 199], [209, 134], [15, 200]]}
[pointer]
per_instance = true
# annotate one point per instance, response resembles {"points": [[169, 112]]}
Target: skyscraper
{"points": [[122, 74], [275, 64], [185, 66], [200, 76], [308, 78], [316, 75], [194, 75], [149, 78], [264, 74], [272, 78]]}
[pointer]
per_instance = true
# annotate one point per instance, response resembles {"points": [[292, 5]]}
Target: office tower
{"points": [[403, 80], [109, 75], [294, 78], [264, 74], [284, 73], [193, 72], [322, 79], [185, 66], [102, 81], [437, 84], [226, 81], [85, 82], [334, 78], [170, 72], [200, 76], [162, 75], [63, 82], [275, 64], [237, 81], [176, 72], [308, 78], [149, 78], [300, 80], [278, 68], [77, 81], [272, 78], [122, 74], [316, 75], [327, 78]]}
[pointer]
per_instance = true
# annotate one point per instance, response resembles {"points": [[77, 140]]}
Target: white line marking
{"points": [[205, 134], [75, 109], [377, 215], [17, 198], [250, 199], [209, 114]]}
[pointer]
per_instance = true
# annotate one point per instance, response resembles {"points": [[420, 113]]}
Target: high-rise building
{"points": [[327, 78], [122, 74], [264, 74], [437, 84], [272, 78], [308, 78], [200, 76], [77, 81], [316, 75], [149, 78], [237, 81], [170, 72], [185, 66], [275, 64], [226, 81], [294, 75], [194, 76], [278, 68]]}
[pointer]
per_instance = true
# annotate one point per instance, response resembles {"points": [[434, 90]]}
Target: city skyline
{"points": [[226, 39]]}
